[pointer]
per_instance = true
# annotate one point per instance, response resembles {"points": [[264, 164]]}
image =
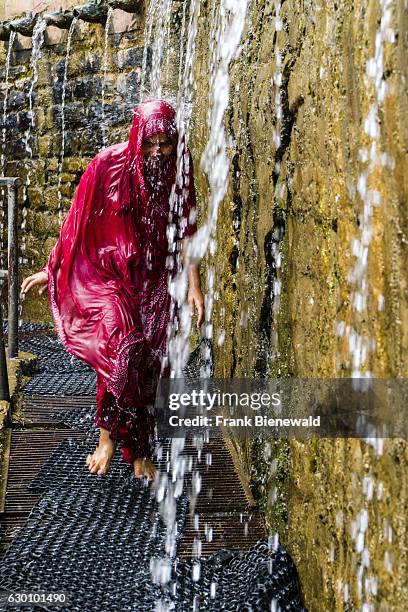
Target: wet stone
{"points": [[57, 92], [132, 85], [73, 113], [91, 63], [73, 142], [67, 178], [35, 197], [16, 100], [87, 89], [15, 148], [113, 114], [130, 57], [23, 121], [45, 146], [11, 122], [60, 69]]}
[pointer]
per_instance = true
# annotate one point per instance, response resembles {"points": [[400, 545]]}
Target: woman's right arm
{"points": [[39, 279]]}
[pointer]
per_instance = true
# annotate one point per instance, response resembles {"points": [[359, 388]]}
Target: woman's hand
{"points": [[195, 300], [39, 279]]}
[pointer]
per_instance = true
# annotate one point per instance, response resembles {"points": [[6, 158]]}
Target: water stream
{"points": [[372, 159], [5, 101], [148, 33], [104, 77], [160, 46], [63, 95], [3, 146], [37, 43]]}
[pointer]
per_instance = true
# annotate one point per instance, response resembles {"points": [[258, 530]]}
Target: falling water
{"points": [[215, 163], [277, 81], [275, 244], [105, 71], [178, 343], [151, 14], [63, 94], [215, 160], [181, 52], [6, 87], [359, 345], [3, 145], [37, 42], [160, 46], [371, 157], [171, 484], [232, 20]]}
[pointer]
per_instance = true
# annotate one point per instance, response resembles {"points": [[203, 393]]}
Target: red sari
{"points": [[108, 275]]}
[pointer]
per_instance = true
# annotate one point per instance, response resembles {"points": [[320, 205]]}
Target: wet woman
{"points": [[107, 278]]}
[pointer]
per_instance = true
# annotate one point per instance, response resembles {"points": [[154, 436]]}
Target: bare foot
{"points": [[144, 468], [99, 461]]}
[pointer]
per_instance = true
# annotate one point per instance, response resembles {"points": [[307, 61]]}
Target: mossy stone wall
{"points": [[83, 121], [340, 506]]}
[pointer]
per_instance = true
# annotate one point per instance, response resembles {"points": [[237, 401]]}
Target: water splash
{"points": [[105, 72], [63, 94]]}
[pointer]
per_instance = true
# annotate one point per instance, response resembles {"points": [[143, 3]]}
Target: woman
{"points": [[107, 278]]}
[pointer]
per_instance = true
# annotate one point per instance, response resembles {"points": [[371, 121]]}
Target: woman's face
{"points": [[157, 147]]}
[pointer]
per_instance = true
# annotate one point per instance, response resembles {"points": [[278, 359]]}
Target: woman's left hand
{"points": [[195, 300]]}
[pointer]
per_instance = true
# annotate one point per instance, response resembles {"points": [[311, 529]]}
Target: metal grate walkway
{"points": [[54, 513]]}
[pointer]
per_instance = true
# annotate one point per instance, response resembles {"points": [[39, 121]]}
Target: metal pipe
{"points": [[24, 25], [129, 6], [60, 19], [95, 11], [4, 31], [4, 381], [12, 185]]}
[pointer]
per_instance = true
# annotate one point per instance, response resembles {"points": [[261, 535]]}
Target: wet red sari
{"points": [[108, 275]]}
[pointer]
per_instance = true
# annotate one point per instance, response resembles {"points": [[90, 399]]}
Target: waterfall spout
{"points": [[60, 19], [4, 31], [129, 6], [92, 12], [24, 25]]}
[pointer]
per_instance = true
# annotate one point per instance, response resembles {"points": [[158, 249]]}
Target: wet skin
{"points": [[99, 462]]}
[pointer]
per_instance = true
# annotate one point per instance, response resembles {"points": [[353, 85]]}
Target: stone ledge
{"points": [[24, 365]]}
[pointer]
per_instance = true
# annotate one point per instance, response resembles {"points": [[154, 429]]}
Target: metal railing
{"points": [[12, 184]]}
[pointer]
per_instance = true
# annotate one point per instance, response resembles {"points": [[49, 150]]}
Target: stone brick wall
{"points": [[83, 113], [320, 494]]}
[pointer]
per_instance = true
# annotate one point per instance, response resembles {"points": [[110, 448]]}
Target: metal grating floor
{"points": [[67, 515], [225, 517]]}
